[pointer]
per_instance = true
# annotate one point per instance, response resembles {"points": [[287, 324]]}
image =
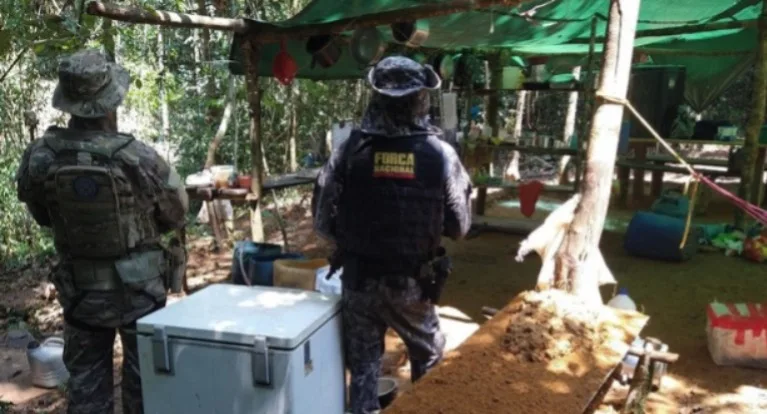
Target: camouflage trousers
{"points": [[367, 312], [92, 321], [88, 355]]}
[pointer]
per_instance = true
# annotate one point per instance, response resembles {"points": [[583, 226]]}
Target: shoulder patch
{"points": [[399, 165]]}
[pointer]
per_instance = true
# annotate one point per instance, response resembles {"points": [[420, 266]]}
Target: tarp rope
{"points": [[752, 210]]}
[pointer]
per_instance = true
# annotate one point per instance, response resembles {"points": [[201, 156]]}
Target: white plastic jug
{"points": [[46, 363], [327, 286], [622, 301]]}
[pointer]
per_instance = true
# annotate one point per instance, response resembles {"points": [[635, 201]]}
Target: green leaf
{"points": [[5, 42], [138, 83], [89, 22], [40, 48]]}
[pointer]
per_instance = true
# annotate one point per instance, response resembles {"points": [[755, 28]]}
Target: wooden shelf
{"points": [[513, 186], [242, 194]]}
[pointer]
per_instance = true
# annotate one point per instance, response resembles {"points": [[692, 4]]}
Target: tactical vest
{"points": [[92, 203], [393, 198]]}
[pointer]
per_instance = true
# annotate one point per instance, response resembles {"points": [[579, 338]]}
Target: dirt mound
{"points": [[548, 325]]}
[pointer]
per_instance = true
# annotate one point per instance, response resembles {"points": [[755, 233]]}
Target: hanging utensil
{"points": [[324, 50], [367, 46], [411, 34], [444, 65]]}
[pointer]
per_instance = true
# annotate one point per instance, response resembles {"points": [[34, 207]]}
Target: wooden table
{"points": [[278, 182], [482, 188], [642, 162]]}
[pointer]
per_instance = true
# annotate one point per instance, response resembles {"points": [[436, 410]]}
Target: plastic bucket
{"points": [[297, 274], [246, 255]]}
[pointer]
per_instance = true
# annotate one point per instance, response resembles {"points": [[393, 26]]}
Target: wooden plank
{"points": [[537, 150], [481, 200], [624, 174], [672, 169], [638, 184], [691, 142], [514, 186]]}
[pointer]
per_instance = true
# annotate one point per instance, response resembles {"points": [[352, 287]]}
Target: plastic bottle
{"points": [[622, 301], [46, 363]]}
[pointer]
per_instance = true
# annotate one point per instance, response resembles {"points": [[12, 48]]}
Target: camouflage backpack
{"points": [[91, 201]]}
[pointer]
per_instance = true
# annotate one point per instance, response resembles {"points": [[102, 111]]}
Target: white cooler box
{"points": [[237, 349]]}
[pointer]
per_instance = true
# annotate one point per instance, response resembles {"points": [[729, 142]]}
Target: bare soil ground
{"points": [[674, 295]]}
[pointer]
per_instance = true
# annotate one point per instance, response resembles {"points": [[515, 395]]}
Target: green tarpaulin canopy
{"points": [[556, 28]]}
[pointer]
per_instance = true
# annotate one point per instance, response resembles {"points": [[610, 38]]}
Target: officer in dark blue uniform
{"points": [[386, 197]]}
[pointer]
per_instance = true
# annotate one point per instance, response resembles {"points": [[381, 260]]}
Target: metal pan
{"points": [[324, 50], [367, 46], [412, 33]]}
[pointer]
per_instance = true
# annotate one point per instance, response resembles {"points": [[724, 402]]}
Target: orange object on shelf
{"points": [[244, 181]]}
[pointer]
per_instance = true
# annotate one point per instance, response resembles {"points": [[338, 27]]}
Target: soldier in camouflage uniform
{"points": [[385, 198], [108, 198]]}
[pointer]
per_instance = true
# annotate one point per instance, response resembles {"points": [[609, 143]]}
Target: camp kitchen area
{"points": [[652, 319]]}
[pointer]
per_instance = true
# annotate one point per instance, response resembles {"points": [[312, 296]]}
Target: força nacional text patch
{"points": [[394, 165]]}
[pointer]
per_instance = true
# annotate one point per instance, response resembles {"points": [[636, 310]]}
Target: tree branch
{"points": [[15, 61]]}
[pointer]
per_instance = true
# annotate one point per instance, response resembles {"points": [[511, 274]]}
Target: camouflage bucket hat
{"points": [[397, 76], [89, 85]]}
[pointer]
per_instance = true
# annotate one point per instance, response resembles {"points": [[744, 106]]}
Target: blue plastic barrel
{"points": [[655, 236], [246, 253], [261, 268]]}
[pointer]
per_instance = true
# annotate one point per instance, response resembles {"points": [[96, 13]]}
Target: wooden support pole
{"points": [[640, 385], [755, 122], [588, 103], [269, 33], [251, 52], [165, 18], [757, 184], [585, 231], [569, 130]]}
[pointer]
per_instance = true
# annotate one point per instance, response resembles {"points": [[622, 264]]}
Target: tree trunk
{"points": [[251, 53], [210, 86], [108, 39], [512, 170], [293, 127], [755, 121], [223, 126], [197, 60], [572, 113], [164, 112], [583, 236]]}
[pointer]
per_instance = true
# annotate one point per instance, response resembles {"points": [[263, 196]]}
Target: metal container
{"points": [[367, 46], [444, 65], [412, 33], [324, 50]]}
